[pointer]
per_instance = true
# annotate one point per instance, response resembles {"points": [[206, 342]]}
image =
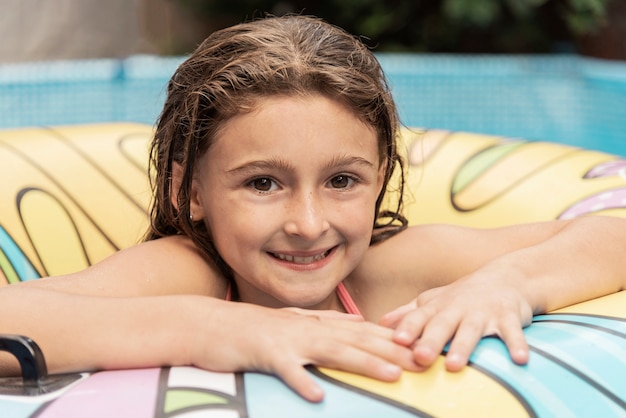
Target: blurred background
{"points": [[66, 29], [538, 69]]}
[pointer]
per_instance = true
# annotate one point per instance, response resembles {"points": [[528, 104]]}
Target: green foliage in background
{"points": [[465, 26]]}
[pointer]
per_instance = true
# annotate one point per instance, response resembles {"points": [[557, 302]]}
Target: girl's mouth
{"points": [[301, 259]]}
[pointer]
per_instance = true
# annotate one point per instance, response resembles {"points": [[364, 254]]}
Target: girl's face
{"points": [[288, 192]]}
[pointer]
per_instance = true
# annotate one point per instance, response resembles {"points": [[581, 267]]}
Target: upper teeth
{"points": [[301, 260]]}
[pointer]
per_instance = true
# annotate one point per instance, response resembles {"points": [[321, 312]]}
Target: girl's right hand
{"points": [[280, 341]]}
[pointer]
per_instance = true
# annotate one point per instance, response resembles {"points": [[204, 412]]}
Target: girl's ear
{"points": [[196, 210]]}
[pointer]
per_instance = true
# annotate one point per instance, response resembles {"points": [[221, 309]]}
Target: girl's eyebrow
{"points": [[262, 165], [282, 165], [348, 160]]}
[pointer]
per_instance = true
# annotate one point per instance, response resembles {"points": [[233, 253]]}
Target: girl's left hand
{"points": [[462, 313]]}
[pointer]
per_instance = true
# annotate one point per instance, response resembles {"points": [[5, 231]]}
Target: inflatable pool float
{"points": [[73, 195]]}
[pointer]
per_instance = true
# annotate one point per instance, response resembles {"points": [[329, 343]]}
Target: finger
{"points": [[356, 360], [363, 327], [326, 314], [467, 336], [371, 339], [299, 380], [340, 316], [512, 334], [379, 341], [391, 319], [435, 336], [410, 327]]}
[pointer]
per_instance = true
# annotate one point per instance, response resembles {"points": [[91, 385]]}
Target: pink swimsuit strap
{"points": [[346, 300], [342, 292]]}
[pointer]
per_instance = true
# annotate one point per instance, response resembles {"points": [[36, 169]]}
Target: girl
{"points": [[272, 158]]}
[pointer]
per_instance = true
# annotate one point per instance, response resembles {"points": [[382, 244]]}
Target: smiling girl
{"points": [[272, 157]]}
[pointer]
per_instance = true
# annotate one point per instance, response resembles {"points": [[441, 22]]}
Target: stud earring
{"points": [[190, 216]]}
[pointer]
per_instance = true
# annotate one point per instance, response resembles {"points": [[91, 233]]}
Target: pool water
{"points": [[561, 98]]}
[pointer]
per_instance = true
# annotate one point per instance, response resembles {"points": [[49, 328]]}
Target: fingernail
{"points": [[392, 370], [453, 358], [402, 336], [316, 394]]}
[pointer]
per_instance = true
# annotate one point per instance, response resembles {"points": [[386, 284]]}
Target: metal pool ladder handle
{"points": [[35, 379]]}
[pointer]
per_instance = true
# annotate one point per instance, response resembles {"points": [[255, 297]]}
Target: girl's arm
{"points": [[83, 333], [506, 276], [152, 305]]}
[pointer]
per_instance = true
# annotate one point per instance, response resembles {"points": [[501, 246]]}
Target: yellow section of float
{"points": [[613, 305], [73, 195], [441, 394], [487, 181]]}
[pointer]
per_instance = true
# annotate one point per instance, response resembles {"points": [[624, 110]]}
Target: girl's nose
{"points": [[306, 218]]}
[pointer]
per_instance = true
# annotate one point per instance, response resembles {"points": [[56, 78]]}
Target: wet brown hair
{"points": [[227, 75]]}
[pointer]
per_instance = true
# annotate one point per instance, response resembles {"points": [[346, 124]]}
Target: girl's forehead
{"points": [[262, 106], [295, 117], [284, 125]]}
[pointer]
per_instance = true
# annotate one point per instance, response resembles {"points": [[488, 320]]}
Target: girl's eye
{"points": [[263, 184], [341, 182]]}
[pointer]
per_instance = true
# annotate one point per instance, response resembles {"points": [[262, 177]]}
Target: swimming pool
{"points": [[561, 98]]}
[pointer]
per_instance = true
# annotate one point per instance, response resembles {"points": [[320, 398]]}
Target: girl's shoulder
{"points": [[168, 265], [175, 265]]}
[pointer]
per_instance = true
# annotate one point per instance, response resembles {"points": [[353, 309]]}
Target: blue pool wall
{"points": [[563, 98]]}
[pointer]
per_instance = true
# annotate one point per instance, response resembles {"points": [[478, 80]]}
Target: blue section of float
{"points": [[595, 350], [615, 325], [12, 408], [16, 257], [574, 370], [267, 396]]}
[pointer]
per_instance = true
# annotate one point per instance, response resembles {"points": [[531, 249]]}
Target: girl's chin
{"points": [[304, 292], [319, 295], [309, 301]]}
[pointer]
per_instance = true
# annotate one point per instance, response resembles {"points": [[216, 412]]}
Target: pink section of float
{"points": [[126, 393]]}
